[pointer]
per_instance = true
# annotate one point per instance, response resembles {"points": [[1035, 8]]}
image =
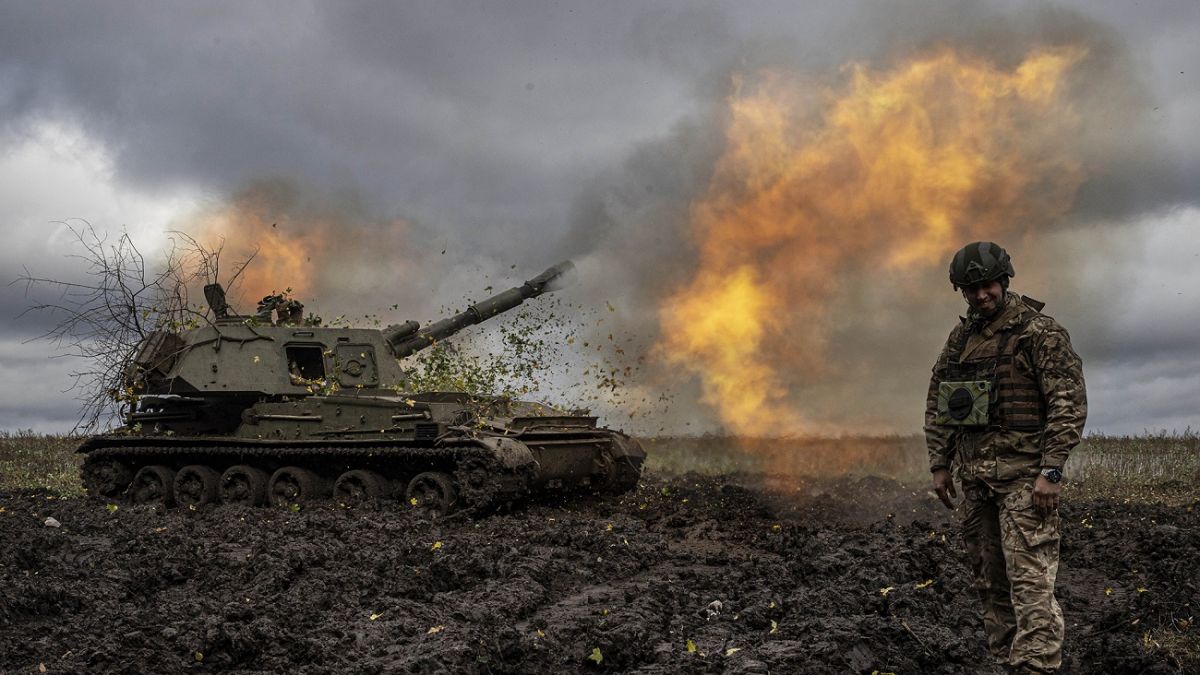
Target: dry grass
{"points": [[1179, 645], [30, 461], [898, 457], [1151, 467]]}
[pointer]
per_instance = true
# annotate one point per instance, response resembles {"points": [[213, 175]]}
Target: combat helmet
{"points": [[978, 262]]}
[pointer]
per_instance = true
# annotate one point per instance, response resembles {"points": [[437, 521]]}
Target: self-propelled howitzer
{"points": [[250, 410]]}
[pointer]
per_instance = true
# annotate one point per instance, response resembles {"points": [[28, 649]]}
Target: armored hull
{"points": [[245, 413]]}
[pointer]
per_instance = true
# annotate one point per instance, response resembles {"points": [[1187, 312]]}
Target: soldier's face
{"points": [[985, 298]]}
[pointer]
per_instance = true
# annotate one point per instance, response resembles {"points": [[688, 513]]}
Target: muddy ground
{"points": [[688, 574]]}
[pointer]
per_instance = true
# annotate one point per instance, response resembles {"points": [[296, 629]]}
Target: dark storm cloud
{"points": [[38, 388], [520, 133], [479, 116]]}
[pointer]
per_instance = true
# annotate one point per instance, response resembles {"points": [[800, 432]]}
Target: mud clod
{"points": [[687, 574]]}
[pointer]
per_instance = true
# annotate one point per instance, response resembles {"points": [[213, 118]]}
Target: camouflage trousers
{"points": [[1014, 556]]}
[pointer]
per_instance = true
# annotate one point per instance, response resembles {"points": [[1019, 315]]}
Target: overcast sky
{"points": [[519, 133]]}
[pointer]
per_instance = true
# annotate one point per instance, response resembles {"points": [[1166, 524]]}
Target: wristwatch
{"points": [[1052, 475]]}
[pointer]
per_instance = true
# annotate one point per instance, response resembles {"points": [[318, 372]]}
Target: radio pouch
{"points": [[963, 404]]}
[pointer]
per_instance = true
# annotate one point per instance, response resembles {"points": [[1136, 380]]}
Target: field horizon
{"points": [[1145, 467]]}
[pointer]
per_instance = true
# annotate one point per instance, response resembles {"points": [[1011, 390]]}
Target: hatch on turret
{"points": [[355, 365]]}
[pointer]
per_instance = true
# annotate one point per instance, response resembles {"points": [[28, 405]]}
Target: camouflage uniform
{"points": [[1035, 421]]}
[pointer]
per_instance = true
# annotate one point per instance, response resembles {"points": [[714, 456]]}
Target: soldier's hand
{"points": [[1046, 495], [943, 485]]}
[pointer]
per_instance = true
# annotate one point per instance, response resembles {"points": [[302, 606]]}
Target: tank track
{"points": [[483, 481], [321, 451]]}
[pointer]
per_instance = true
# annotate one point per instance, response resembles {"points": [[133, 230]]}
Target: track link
{"points": [[486, 481]]}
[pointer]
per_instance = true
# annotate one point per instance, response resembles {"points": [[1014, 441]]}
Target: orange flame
{"points": [[286, 256], [886, 174]]}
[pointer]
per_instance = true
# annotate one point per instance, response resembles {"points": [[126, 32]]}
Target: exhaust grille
{"points": [[426, 432]]}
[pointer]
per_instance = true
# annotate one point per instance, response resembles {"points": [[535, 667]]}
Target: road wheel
{"points": [[106, 477], [621, 475], [244, 485], [153, 484], [358, 487], [295, 485], [432, 492], [197, 485]]}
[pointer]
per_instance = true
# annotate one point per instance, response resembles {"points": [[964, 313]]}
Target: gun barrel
{"points": [[404, 345]]}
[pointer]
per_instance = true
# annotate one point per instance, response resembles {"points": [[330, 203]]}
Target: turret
{"points": [[248, 357], [408, 338]]}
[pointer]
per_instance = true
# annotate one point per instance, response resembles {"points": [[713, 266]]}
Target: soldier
{"points": [[1006, 405]]}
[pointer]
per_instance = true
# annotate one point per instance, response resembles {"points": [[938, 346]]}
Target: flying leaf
{"points": [[596, 656], [774, 627], [112, 508], [436, 629], [1108, 591], [376, 616], [885, 591], [436, 546], [732, 650], [691, 646], [925, 584]]}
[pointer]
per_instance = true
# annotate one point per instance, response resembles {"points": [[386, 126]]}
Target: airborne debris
{"points": [[456, 414]]}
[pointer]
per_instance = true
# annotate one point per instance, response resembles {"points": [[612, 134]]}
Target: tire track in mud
{"points": [[687, 574]]}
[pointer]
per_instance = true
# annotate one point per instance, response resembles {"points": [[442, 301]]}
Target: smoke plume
{"points": [[785, 255]]}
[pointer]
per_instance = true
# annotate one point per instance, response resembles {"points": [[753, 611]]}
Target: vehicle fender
{"points": [[626, 446], [512, 453]]}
